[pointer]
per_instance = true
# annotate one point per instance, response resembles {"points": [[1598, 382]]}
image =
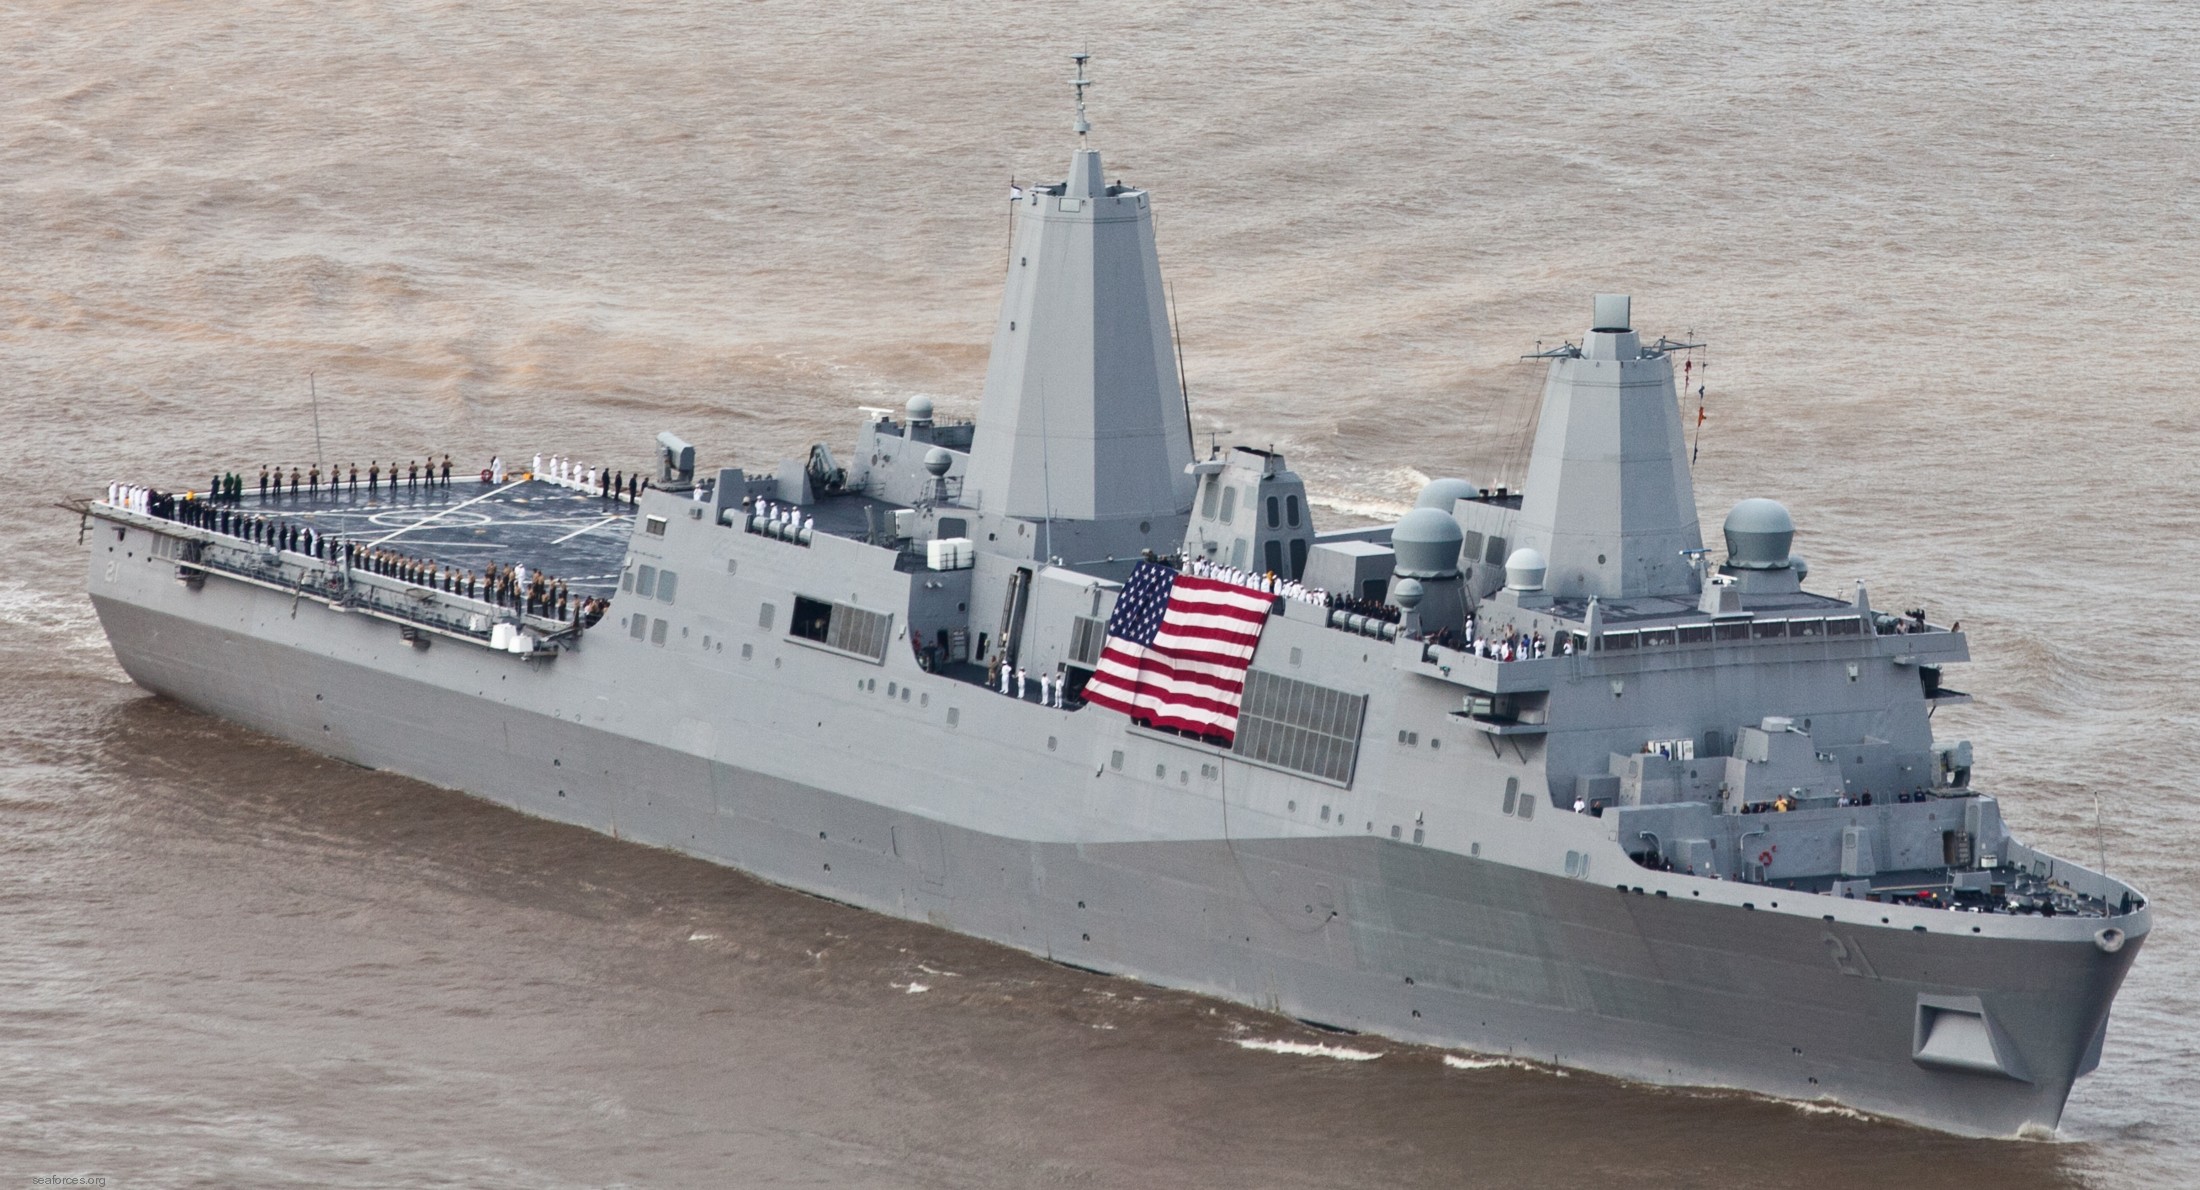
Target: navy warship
{"points": [[1527, 772]]}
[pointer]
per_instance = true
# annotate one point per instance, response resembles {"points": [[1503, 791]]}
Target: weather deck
{"points": [[559, 530]]}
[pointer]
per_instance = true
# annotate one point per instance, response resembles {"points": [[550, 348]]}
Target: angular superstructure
{"points": [[1082, 430], [1609, 500], [1526, 773]]}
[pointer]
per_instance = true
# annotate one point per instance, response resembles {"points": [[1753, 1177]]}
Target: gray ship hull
{"points": [[1362, 932]]}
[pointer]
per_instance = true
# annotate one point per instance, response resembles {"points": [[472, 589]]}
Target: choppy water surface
{"points": [[1942, 255]]}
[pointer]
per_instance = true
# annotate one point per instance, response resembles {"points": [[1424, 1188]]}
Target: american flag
{"points": [[1178, 648]]}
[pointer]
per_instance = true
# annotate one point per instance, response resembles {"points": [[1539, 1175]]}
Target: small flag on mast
{"points": [[1177, 651]]}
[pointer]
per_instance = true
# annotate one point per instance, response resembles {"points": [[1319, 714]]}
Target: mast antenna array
{"points": [[1083, 125]]}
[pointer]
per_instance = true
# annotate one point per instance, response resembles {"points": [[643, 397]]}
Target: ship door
{"points": [[1012, 615]]}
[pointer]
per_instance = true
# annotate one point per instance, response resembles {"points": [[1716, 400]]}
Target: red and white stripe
{"points": [[1193, 676]]}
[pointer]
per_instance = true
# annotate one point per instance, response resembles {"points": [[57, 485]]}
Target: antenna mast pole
{"points": [[1183, 384], [1083, 125], [315, 391], [2099, 842]]}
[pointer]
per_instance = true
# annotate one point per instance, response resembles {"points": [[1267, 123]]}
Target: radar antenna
{"points": [[1083, 125]]}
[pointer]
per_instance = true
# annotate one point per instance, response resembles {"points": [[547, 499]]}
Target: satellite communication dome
{"points": [[1800, 565], [1407, 593], [1758, 534], [1441, 494], [937, 460], [1426, 543], [1525, 569], [919, 408]]}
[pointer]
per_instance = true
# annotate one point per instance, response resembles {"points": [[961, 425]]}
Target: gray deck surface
{"points": [[566, 534]]}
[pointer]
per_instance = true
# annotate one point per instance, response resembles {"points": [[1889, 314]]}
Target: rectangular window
{"points": [[626, 581], [655, 526], [1275, 518], [1768, 629], [764, 616], [1291, 510], [1657, 638], [1207, 501], [1229, 502], [1512, 794], [813, 619], [657, 633], [1806, 627], [1695, 634], [1471, 548], [1733, 630], [1620, 640], [1088, 635], [667, 582], [1495, 554], [1843, 626], [841, 626], [645, 583], [638, 626], [1300, 726]]}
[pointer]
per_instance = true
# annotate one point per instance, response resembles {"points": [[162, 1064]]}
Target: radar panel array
{"points": [[1300, 726]]}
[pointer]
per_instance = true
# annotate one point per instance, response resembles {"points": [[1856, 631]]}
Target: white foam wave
{"points": [[1471, 1062], [1829, 1109], [1308, 1049]]}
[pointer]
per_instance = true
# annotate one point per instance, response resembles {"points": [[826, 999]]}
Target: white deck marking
{"points": [[598, 525], [432, 518]]}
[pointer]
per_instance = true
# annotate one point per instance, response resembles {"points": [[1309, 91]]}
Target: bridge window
{"points": [[1229, 502], [667, 582], [645, 583], [1291, 509], [1275, 516]]}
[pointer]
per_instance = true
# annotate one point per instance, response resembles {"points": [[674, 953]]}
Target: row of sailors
{"points": [[230, 486], [774, 513], [1270, 582], [1014, 681], [563, 471], [1514, 645], [514, 587], [135, 498]]}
